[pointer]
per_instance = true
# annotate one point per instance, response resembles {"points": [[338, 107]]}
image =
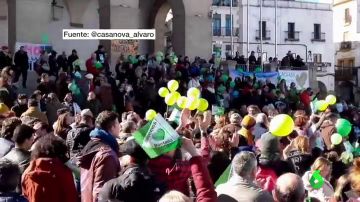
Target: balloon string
{"points": [[167, 111]]}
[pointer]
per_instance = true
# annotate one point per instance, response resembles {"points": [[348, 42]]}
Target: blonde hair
{"points": [[354, 175], [320, 163], [174, 196], [301, 143]]}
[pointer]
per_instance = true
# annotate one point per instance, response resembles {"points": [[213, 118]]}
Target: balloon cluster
{"points": [[192, 101], [322, 105], [343, 128]]}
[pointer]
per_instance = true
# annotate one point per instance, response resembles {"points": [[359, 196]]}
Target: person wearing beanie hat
{"points": [[247, 124], [270, 164]]}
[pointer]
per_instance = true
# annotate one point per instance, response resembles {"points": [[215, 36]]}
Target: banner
{"points": [[33, 51], [125, 47], [260, 76], [299, 77], [157, 137]]}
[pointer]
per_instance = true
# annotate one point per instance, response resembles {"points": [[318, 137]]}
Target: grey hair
{"points": [[244, 163]]}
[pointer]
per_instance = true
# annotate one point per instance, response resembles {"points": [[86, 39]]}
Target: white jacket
{"points": [[323, 194]]}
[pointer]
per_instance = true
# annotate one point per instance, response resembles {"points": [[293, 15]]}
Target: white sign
{"points": [[299, 77]]}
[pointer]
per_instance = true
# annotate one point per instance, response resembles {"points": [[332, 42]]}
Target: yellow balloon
{"points": [[181, 102], [281, 125], [330, 99], [150, 114], [192, 103], [177, 95], [203, 105], [170, 99], [193, 92], [173, 85], [321, 105], [163, 92]]}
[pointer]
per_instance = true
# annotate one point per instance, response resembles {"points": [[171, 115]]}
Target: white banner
{"points": [[299, 77]]}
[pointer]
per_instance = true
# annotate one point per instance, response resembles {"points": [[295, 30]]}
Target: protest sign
{"points": [[157, 137]]}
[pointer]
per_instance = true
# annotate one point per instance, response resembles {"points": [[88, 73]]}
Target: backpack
{"points": [[77, 138]]}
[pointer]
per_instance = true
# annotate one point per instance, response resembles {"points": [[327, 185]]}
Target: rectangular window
{"points": [[317, 58], [340, 63], [262, 27], [216, 2], [291, 30], [347, 16], [350, 63], [216, 25], [317, 31], [228, 25]]}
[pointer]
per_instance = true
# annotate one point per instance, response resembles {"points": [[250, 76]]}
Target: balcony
{"points": [[225, 31], [265, 35], [292, 36], [316, 36], [345, 73], [224, 3], [345, 46]]}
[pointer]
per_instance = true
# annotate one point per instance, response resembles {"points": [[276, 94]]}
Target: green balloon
{"points": [[343, 127], [158, 58], [98, 65], [221, 89], [316, 180], [232, 84], [224, 77]]}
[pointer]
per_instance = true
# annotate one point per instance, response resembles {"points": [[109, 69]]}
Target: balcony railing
{"points": [[345, 45], [318, 36], [224, 3], [345, 73], [265, 35], [292, 36], [225, 31]]}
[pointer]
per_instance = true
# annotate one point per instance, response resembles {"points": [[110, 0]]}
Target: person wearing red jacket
{"points": [[205, 191], [48, 178], [90, 65], [305, 98], [168, 169]]}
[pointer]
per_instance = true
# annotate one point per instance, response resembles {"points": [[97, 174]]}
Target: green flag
{"points": [[224, 176], [157, 137]]}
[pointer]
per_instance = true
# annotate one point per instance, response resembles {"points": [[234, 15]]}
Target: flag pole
{"points": [[261, 35], [247, 35], [276, 5], [231, 22]]}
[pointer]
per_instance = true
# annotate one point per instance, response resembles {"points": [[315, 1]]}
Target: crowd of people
{"points": [[72, 138]]}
